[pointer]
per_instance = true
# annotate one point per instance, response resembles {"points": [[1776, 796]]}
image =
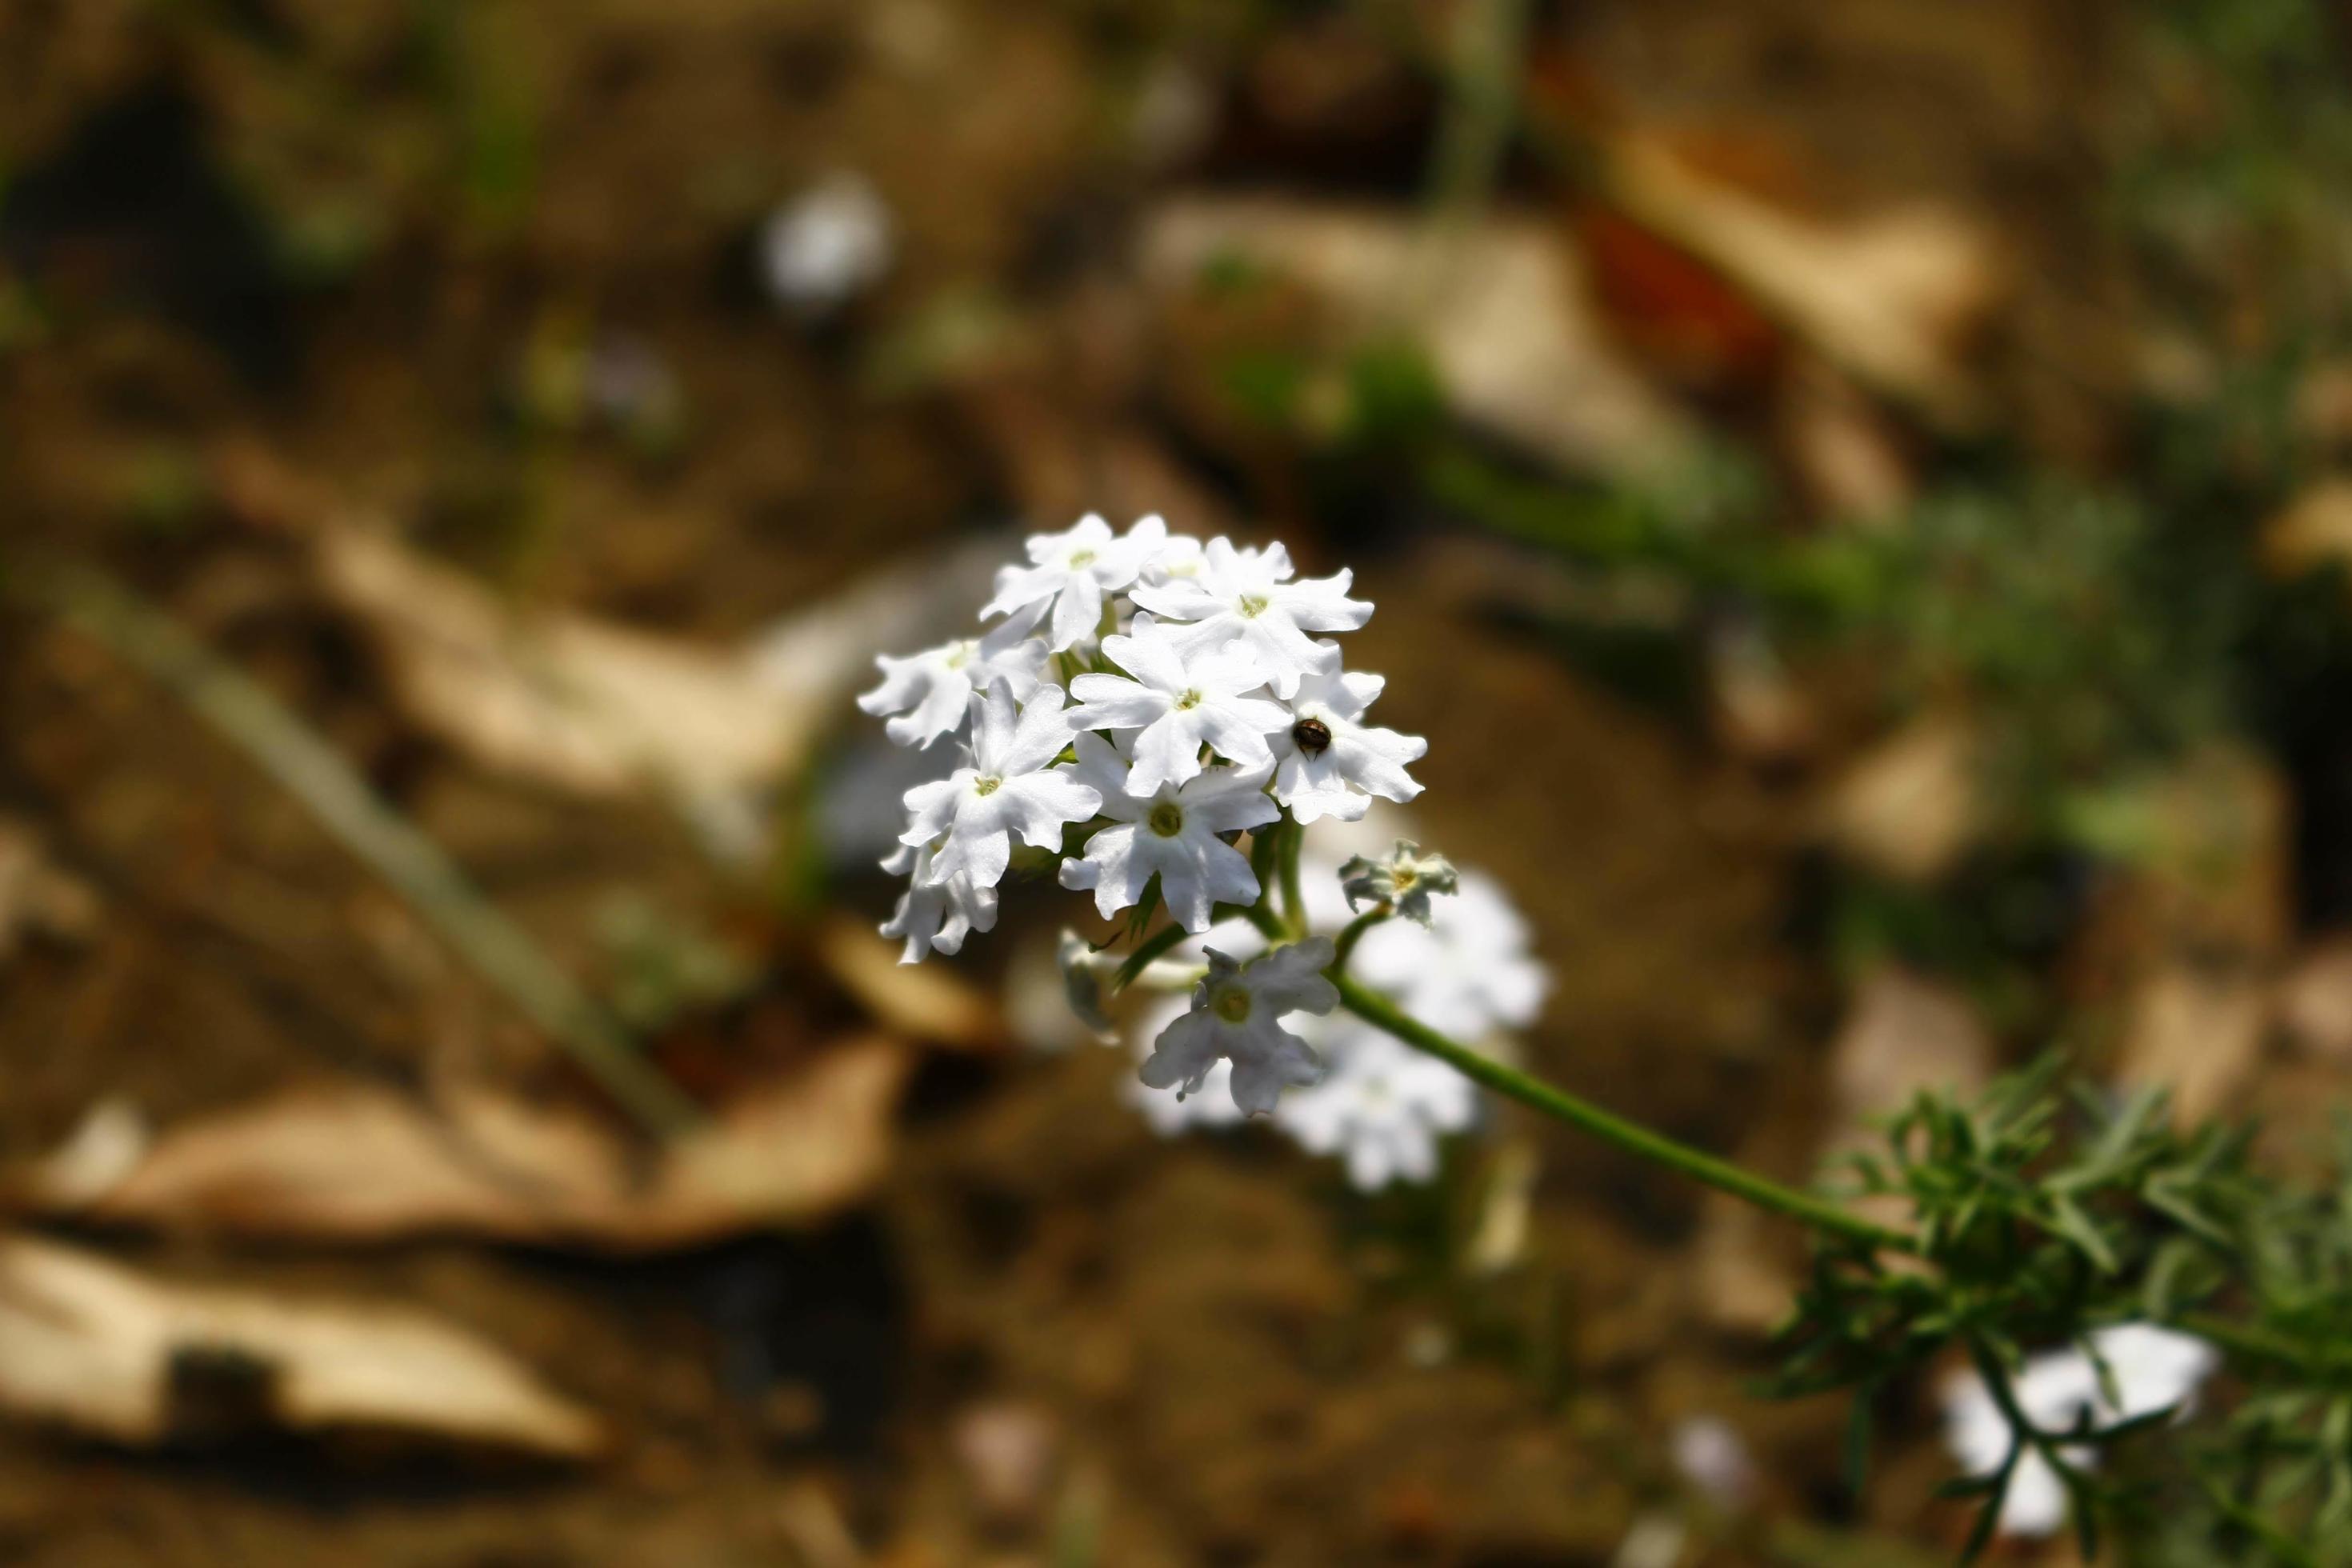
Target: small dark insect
{"points": [[1311, 735]]}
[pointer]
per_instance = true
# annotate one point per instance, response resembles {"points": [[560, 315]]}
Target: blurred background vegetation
{"points": [[1858, 500]]}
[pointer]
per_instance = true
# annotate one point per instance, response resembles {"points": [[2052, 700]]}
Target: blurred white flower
{"points": [[1070, 573], [1003, 789], [1236, 1015], [2152, 1369], [1380, 1105], [1468, 973], [826, 245], [1247, 597], [1170, 833], [1176, 704], [1713, 1461]]}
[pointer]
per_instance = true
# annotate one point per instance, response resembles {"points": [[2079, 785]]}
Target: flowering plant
{"points": [[1140, 703]]}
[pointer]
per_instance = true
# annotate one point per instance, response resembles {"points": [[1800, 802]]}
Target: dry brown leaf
{"points": [[1891, 300], [2197, 1033], [1905, 1033], [924, 1000], [37, 897], [2314, 1000], [89, 1345], [368, 1164], [1502, 308], [555, 698], [1909, 807]]}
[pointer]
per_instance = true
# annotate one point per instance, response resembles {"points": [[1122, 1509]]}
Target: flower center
{"points": [[1252, 605], [1404, 877], [1188, 702], [1167, 819], [1232, 1004], [986, 785], [959, 655], [1311, 735], [1081, 558]]}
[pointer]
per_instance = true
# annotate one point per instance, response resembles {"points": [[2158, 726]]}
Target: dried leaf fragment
{"points": [[89, 1345], [360, 1164]]}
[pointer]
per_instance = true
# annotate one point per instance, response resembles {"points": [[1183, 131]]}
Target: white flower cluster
{"points": [[2148, 1369], [1381, 1106], [1204, 707], [1131, 706]]}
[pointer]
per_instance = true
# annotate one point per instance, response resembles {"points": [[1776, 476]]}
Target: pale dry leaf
{"points": [[1845, 449], [605, 710], [924, 1000], [2199, 1034], [98, 1348], [1905, 1033], [1503, 310], [1892, 299], [1909, 807], [2314, 1000], [359, 1163]]}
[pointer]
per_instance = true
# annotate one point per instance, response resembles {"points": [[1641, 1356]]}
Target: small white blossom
{"points": [[1247, 597], [1069, 575], [1382, 1106], [1170, 833], [2152, 1369], [1236, 1015], [1177, 559], [1172, 1111], [1328, 761], [1176, 704], [825, 246], [1003, 789], [931, 691], [935, 916], [1468, 973], [1404, 879]]}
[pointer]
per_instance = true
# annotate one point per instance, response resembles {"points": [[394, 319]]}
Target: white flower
{"points": [[1172, 1111], [931, 691], [1404, 878], [1468, 973], [1329, 764], [826, 245], [1170, 833], [935, 915], [1003, 789], [1245, 596], [1178, 704], [1177, 559], [1069, 575], [1236, 1015], [2153, 1369], [1381, 1104]]}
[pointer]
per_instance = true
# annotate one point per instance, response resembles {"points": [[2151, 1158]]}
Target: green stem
{"points": [[1146, 950], [1294, 905], [1353, 932], [1631, 1137]]}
